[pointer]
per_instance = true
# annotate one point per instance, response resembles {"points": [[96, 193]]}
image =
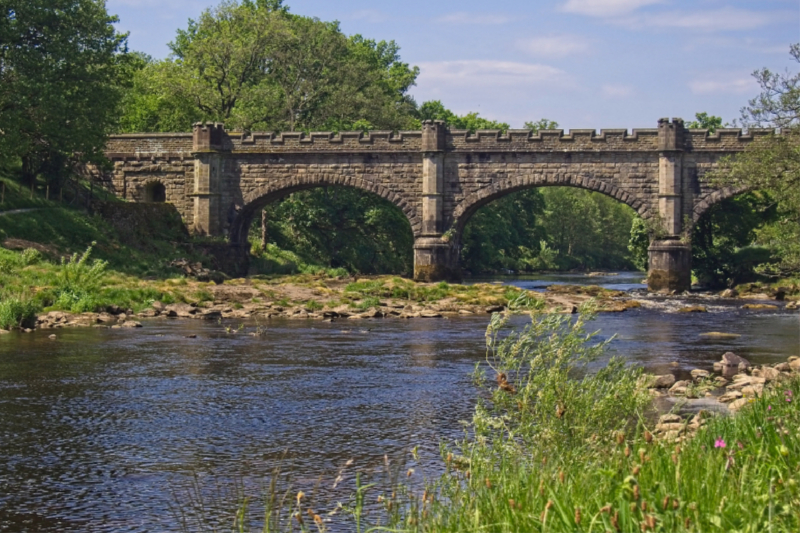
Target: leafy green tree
{"points": [[541, 124], [773, 165], [61, 63], [705, 121], [256, 66], [723, 253], [340, 227], [435, 110]]}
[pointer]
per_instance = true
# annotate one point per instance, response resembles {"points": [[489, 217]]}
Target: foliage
{"points": [[338, 227], [737, 474], [256, 66], [773, 165], [536, 229], [18, 312], [541, 124], [723, 253], [639, 243], [60, 77], [435, 110], [541, 402], [705, 121]]}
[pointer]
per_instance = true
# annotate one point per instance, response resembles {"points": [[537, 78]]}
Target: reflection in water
{"points": [[100, 427]]}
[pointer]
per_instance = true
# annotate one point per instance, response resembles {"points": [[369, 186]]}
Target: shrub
{"points": [[18, 312], [77, 275]]}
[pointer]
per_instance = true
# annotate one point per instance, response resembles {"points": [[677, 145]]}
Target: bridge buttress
{"points": [[208, 166], [670, 259]]}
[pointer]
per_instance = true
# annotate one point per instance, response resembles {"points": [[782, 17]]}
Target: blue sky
{"points": [[584, 63]]}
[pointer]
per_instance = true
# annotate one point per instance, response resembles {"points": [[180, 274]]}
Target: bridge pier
{"points": [[670, 258], [435, 257]]}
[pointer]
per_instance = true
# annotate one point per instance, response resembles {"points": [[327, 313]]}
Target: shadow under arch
{"points": [[472, 203], [258, 199]]}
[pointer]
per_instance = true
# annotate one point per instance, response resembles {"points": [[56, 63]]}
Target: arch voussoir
{"points": [[471, 203], [276, 189]]}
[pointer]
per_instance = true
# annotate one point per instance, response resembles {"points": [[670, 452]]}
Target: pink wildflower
{"points": [[769, 408], [719, 443]]}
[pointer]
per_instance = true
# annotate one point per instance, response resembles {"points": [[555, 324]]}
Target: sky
{"points": [[583, 63]]}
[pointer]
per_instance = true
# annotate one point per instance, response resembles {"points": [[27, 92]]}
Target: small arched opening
{"points": [[155, 192]]}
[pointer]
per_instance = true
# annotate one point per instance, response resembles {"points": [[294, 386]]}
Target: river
{"points": [[117, 430]]}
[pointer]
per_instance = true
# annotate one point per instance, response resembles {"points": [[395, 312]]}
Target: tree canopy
{"points": [[773, 166], [257, 66], [61, 63]]}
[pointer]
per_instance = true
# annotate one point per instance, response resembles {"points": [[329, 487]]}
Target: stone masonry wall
{"points": [[478, 167]]}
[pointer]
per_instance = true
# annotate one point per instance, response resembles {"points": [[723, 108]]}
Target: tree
{"points": [[435, 110], [706, 122], [541, 124], [61, 63], [253, 65], [773, 165]]}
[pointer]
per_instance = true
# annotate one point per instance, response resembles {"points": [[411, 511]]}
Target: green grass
{"points": [[403, 289], [554, 448]]}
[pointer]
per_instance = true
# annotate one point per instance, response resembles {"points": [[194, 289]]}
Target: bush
{"points": [[18, 312]]}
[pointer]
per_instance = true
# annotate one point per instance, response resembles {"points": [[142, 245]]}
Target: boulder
{"points": [[699, 374], [131, 324], [679, 388], [795, 365], [738, 404], [793, 306], [694, 309], [670, 419], [783, 367], [730, 359], [769, 373], [730, 396], [752, 391], [664, 381], [729, 293], [760, 307], [180, 310]]}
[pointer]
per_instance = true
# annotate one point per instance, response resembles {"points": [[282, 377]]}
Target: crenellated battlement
{"points": [[435, 137]]}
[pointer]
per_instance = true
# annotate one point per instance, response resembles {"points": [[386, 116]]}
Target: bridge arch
{"points": [[472, 203], [704, 203], [255, 200]]}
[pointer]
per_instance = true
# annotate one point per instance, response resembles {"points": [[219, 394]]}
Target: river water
{"points": [[120, 430]]}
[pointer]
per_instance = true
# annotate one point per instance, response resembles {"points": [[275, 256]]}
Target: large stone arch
{"points": [[704, 203], [472, 203], [257, 199]]}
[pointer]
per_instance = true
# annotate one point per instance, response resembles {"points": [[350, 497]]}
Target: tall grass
{"points": [[556, 445]]}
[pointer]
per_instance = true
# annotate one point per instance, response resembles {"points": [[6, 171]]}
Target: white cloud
{"points": [[724, 84], [462, 17], [554, 45], [492, 73], [617, 91], [606, 8]]}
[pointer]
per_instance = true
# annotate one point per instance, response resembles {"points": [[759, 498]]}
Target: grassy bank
{"points": [[554, 448]]}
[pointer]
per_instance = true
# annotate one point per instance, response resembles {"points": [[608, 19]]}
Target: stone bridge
{"points": [[439, 178]]}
